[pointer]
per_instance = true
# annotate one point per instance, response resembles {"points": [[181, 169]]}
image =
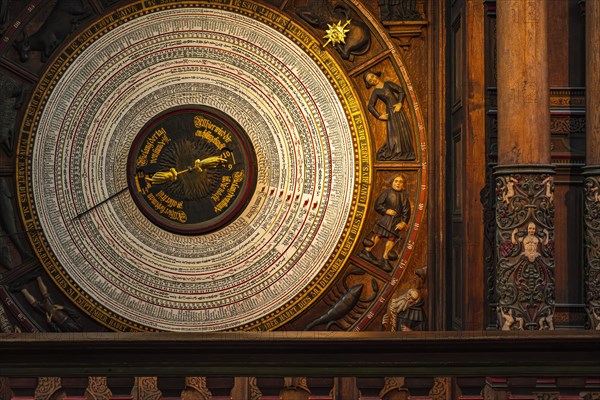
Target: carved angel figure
{"points": [[510, 189]]}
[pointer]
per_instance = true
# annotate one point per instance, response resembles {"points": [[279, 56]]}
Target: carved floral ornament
{"points": [[591, 187], [525, 245]]}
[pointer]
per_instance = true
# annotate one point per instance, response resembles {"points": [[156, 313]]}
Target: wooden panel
{"points": [[457, 282]]}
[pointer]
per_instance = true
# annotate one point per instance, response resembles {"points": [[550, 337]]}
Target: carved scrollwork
{"points": [[97, 389], [441, 389], [47, 388], [525, 249], [195, 389], [489, 220], [394, 384], [567, 125], [591, 187], [146, 388], [253, 388]]}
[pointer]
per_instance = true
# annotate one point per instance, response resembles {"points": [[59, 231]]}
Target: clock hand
{"points": [[171, 175], [99, 204]]}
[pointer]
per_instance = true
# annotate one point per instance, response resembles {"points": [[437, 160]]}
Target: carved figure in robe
{"points": [[399, 143]]}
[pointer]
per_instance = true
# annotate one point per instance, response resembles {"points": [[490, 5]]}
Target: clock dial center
{"points": [[191, 170]]}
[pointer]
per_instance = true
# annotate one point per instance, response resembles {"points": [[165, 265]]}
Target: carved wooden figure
{"points": [[399, 143], [61, 21], [323, 13]]}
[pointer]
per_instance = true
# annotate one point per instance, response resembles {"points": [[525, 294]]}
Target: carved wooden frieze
{"points": [[525, 248], [591, 187]]}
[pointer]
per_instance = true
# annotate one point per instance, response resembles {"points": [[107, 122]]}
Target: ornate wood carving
{"points": [[64, 18], [295, 388], [394, 389], [97, 389], [525, 248], [195, 389], [254, 390], [145, 388], [49, 388], [441, 389], [591, 187], [489, 219]]}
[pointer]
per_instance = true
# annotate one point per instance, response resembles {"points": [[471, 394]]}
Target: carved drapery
{"points": [[591, 187], [525, 247]]}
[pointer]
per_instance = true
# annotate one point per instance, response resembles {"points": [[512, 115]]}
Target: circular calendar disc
{"points": [[193, 166]]}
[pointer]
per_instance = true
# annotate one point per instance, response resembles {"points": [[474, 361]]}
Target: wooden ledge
{"points": [[362, 354]]}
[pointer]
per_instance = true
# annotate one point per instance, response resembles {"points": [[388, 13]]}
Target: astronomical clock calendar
{"points": [[217, 165]]}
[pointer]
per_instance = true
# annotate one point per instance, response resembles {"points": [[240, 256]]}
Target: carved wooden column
{"points": [[592, 171], [524, 176]]}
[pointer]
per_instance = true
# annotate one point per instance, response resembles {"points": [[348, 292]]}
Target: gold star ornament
{"points": [[336, 33]]}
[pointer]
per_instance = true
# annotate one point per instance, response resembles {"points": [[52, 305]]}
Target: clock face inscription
{"points": [[275, 256], [191, 170]]}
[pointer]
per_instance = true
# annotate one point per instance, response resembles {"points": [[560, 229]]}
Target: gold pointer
{"points": [[171, 175]]}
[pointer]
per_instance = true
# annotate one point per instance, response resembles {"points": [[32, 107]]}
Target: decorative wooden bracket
{"points": [[405, 31]]}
